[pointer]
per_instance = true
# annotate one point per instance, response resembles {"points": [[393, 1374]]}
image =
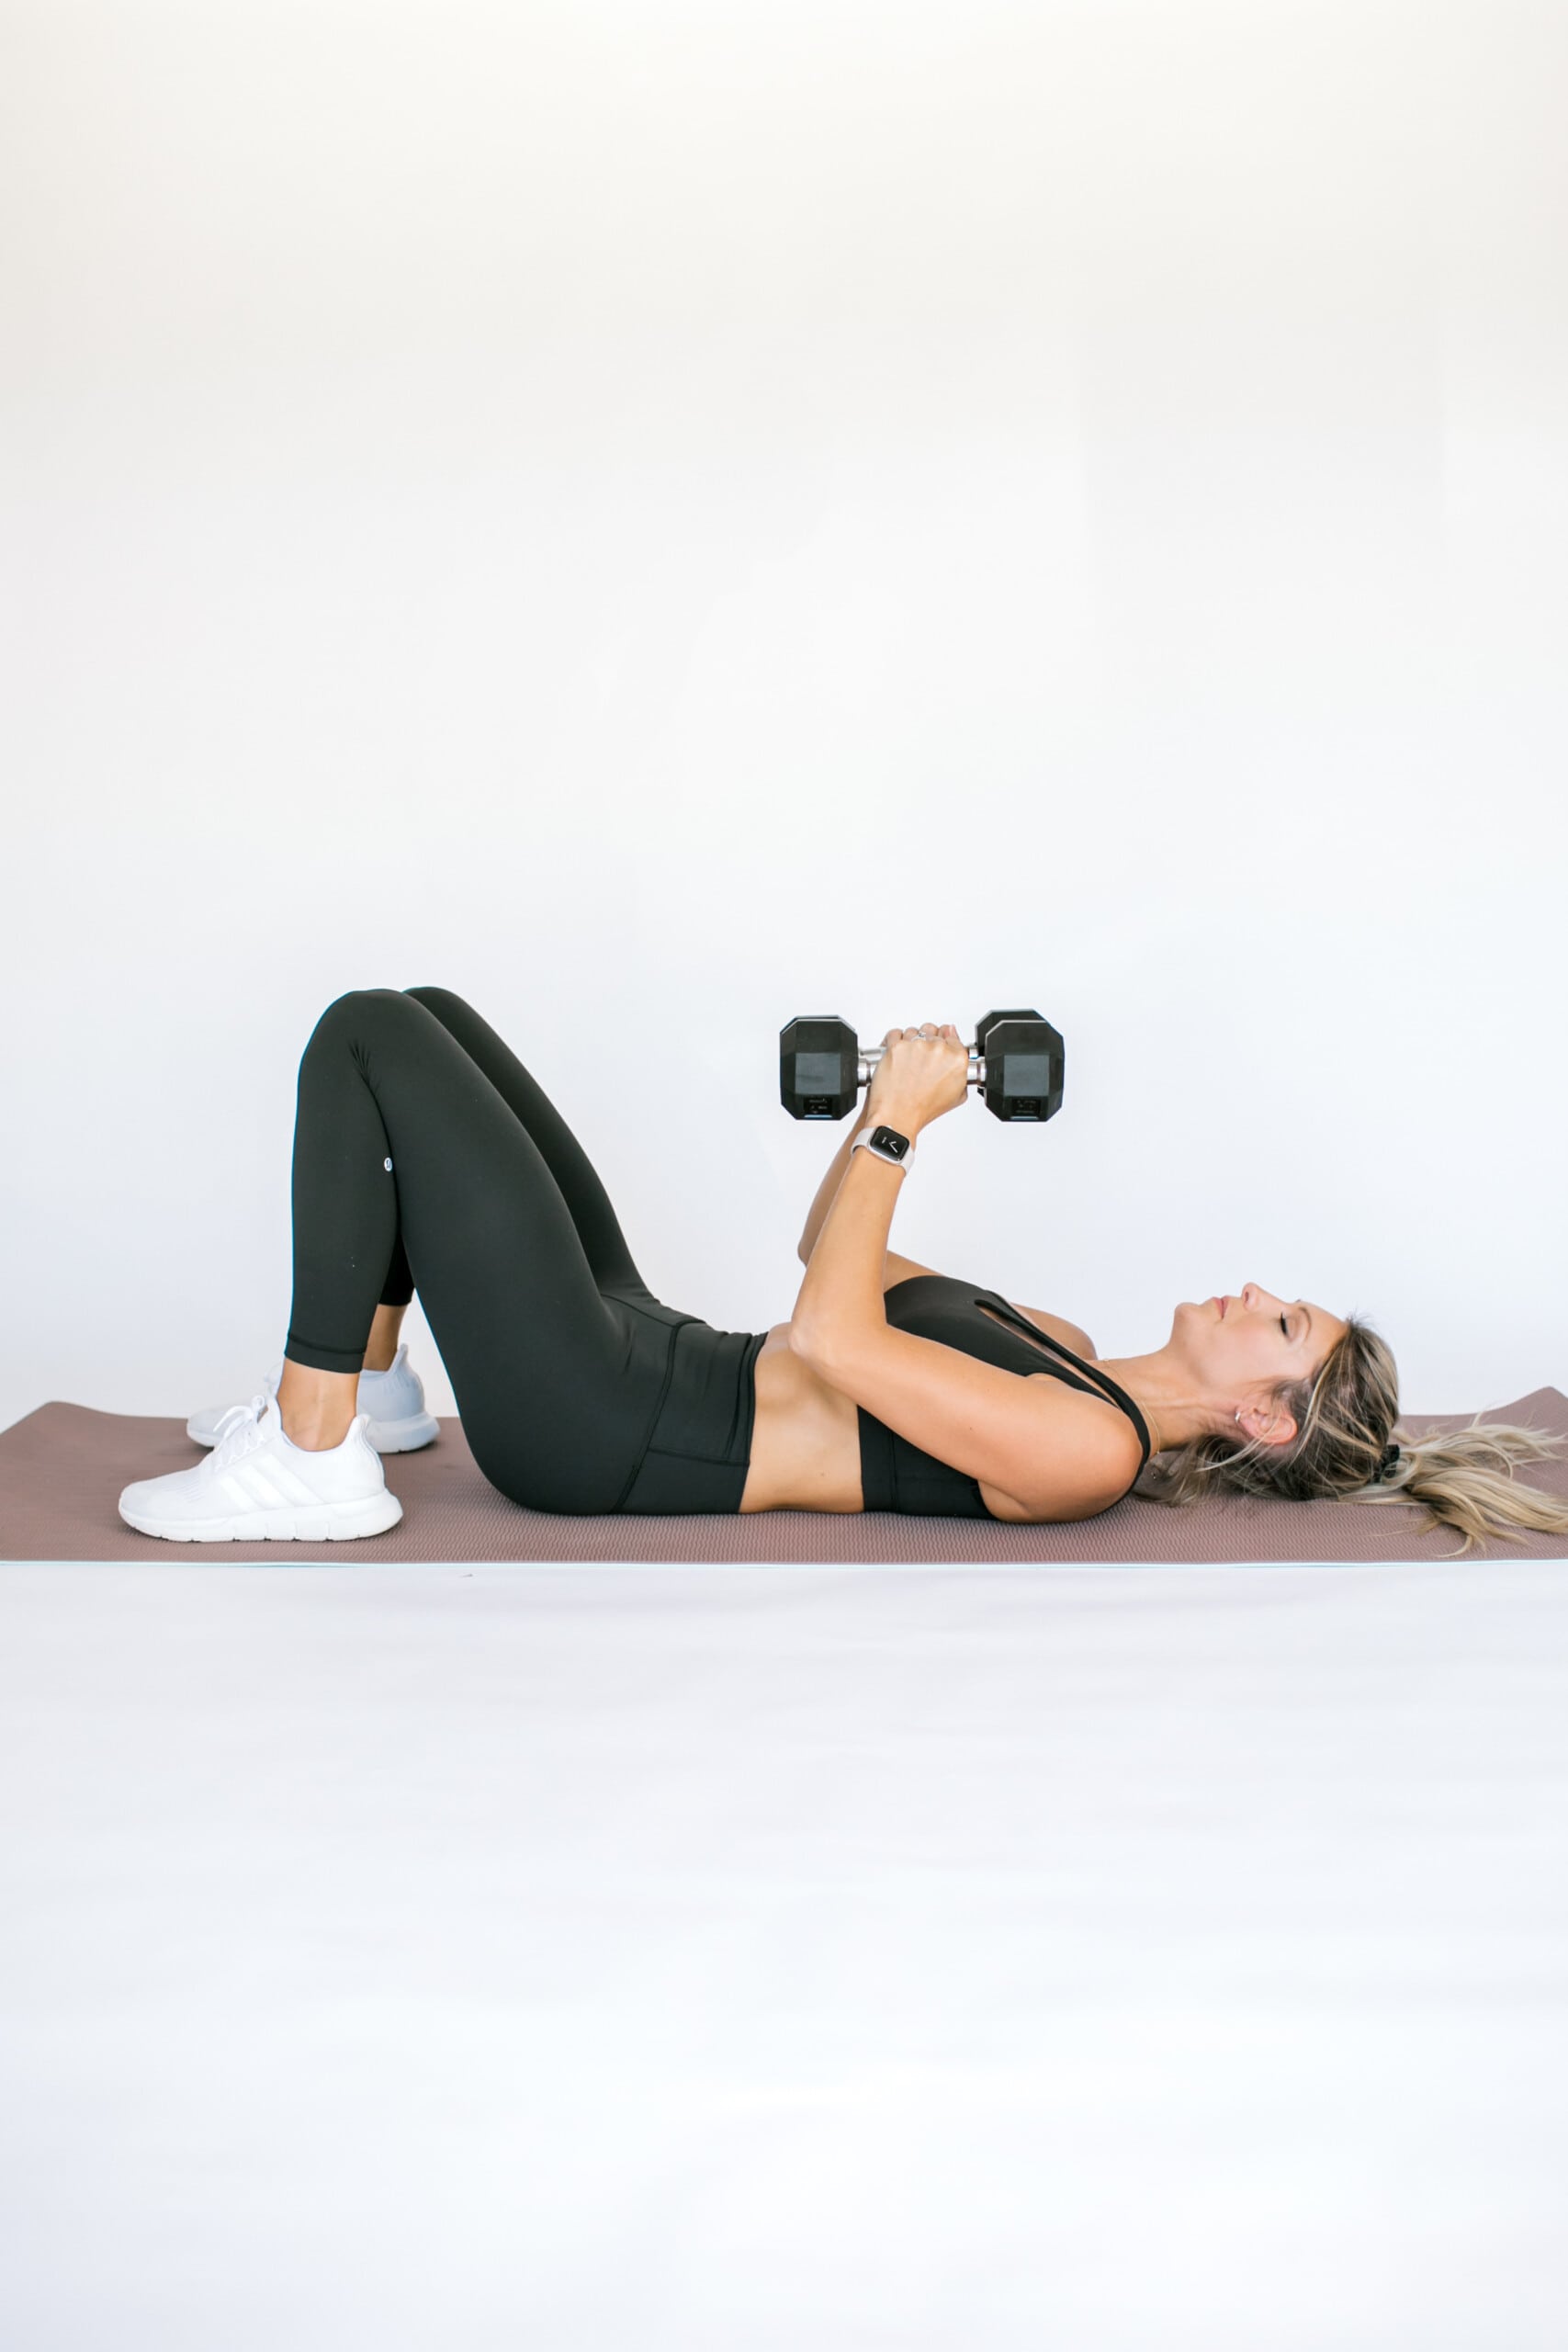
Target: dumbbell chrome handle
{"points": [[874, 1054]]}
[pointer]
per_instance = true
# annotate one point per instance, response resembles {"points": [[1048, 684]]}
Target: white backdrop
{"points": [[659, 517]]}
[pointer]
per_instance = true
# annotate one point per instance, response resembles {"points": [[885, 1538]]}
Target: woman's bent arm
{"points": [[842, 1291], [828, 1188]]}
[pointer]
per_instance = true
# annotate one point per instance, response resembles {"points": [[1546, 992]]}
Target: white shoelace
{"points": [[244, 1432], [227, 1418]]}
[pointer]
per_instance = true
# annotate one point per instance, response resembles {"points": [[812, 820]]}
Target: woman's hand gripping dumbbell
{"points": [[917, 1074]]}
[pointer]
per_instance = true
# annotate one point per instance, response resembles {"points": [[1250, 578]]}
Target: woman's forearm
{"points": [[842, 1291], [828, 1187]]}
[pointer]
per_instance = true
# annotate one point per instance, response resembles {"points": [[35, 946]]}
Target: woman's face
{"points": [[1243, 1342]]}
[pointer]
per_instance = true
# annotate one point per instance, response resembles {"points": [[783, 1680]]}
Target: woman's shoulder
{"points": [[1088, 1457]]}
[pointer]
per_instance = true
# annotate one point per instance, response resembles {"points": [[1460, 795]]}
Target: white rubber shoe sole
{"points": [[392, 1402], [342, 1524]]}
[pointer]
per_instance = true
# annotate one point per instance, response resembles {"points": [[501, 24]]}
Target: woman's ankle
{"points": [[317, 1409], [381, 1347], [316, 1438]]}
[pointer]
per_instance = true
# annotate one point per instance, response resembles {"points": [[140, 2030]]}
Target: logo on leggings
{"points": [[387, 1165]]}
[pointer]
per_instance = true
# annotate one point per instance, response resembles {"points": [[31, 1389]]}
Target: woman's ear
{"points": [[1265, 1425]]}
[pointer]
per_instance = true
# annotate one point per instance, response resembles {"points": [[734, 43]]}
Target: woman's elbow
{"points": [[805, 1342]]}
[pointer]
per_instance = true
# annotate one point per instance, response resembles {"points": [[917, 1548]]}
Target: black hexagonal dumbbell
{"points": [[1017, 1062]]}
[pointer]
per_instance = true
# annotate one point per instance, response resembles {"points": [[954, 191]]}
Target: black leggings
{"points": [[425, 1156]]}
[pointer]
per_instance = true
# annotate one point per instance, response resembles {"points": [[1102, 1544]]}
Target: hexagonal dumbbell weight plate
{"points": [[818, 1067], [1025, 1062]]}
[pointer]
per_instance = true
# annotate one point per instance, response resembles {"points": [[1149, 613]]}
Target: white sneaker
{"points": [[257, 1484], [392, 1400]]}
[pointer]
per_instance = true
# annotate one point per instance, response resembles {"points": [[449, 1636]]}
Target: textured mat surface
{"points": [[62, 1466]]}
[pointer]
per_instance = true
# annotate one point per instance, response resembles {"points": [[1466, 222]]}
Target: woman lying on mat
{"points": [[425, 1154]]}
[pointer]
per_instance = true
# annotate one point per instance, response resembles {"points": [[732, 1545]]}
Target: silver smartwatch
{"points": [[887, 1143]]}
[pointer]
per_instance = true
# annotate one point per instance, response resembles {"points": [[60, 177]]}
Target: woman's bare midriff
{"points": [[805, 1436]]}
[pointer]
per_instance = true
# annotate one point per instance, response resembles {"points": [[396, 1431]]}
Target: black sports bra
{"points": [[897, 1475]]}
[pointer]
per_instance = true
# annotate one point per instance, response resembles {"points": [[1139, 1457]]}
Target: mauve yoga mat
{"points": [[62, 1466]]}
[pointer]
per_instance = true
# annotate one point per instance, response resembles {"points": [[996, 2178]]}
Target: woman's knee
{"points": [[443, 1002], [360, 1014], [358, 1004]]}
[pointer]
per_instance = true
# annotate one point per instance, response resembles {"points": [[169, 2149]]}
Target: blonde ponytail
{"points": [[1465, 1479]]}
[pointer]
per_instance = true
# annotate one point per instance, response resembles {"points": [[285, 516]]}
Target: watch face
{"points": [[889, 1140]]}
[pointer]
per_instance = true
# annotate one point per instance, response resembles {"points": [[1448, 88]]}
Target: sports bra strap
{"points": [[1102, 1380]]}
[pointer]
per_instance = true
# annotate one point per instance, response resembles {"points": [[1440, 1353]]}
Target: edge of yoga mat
{"points": [[63, 1466]]}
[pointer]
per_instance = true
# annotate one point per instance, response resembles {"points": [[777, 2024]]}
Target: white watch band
{"points": [[863, 1142]]}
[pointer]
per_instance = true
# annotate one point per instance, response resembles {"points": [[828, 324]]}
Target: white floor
{"points": [[784, 1959]]}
